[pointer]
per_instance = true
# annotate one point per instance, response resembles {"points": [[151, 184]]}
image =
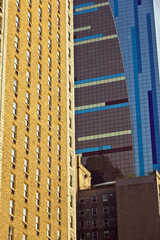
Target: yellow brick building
{"points": [[37, 168]]}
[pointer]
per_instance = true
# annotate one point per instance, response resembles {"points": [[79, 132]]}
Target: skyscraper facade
{"points": [[117, 86], [37, 170]]}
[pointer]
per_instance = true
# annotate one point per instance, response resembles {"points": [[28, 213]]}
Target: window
{"points": [[59, 214], [58, 150], [48, 207], [105, 210], [69, 70], [28, 77], [38, 110], [38, 130], [37, 199], [49, 141], [49, 120], [40, 13], [39, 89], [11, 207], [14, 108], [69, 36], [48, 184], [106, 235], [58, 235], [82, 225], [71, 221], [13, 156], [15, 86], [18, 3], [26, 166], [94, 223], [88, 235], [40, 32], [105, 197], [37, 175], [26, 143], [49, 44], [16, 64], [81, 213], [70, 105], [87, 211], [58, 56], [71, 201], [58, 73], [69, 52], [59, 93], [28, 36], [111, 208], [29, 18], [59, 192], [39, 69], [94, 235], [27, 98], [48, 230], [25, 213], [12, 181], [111, 195], [82, 236], [37, 223], [49, 81], [94, 211], [39, 50], [58, 38], [49, 26], [71, 182], [69, 5], [25, 193], [70, 141], [70, 123], [14, 131], [27, 120], [58, 5], [38, 152], [59, 111], [59, 171], [49, 9], [70, 160], [69, 20], [10, 233], [28, 57], [16, 42], [17, 22], [58, 21], [105, 222], [94, 199], [49, 62], [58, 131], [24, 236], [81, 200]]}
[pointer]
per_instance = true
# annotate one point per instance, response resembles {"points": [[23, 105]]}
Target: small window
{"points": [[27, 98], [59, 214], [11, 207], [15, 86], [69, 20], [49, 162], [16, 64], [70, 141], [25, 215], [28, 77], [105, 197], [37, 175], [14, 131], [37, 199], [94, 235], [71, 181], [27, 120], [39, 69], [49, 44], [10, 233], [26, 166], [94, 199], [94, 211], [40, 31], [28, 56], [13, 156], [49, 9], [59, 171], [25, 193], [49, 141], [38, 153], [29, 18], [105, 222], [40, 13], [71, 201], [105, 210], [26, 142], [58, 235], [48, 230], [71, 222], [38, 110], [81, 213], [59, 192], [14, 108], [37, 223], [58, 5], [81, 200], [28, 36], [17, 22], [38, 130], [58, 150], [48, 184], [39, 89], [39, 50], [16, 42], [12, 181], [58, 21], [18, 3], [49, 120], [48, 206], [70, 160], [94, 223], [49, 81], [58, 38], [49, 25], [70, 123], [106, 235], [49, 62]]}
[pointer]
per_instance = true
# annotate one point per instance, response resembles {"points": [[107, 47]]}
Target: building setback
{"points": [[37, 150], [116, 48]]}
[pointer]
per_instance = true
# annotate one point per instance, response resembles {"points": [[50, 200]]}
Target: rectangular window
{"points": [[70, 141], [11, 207], [71, 222], [12, 181], [58, 235], [49, 44], [37, 199], [48, 230], [59, 131], [48, 206], [40, 32], [25, 193], [49, 26], [17, 22], [58, 38], [16, 42], [29, 18], [37, 223], [26, 142], [49, 162], [71, 181], [94, 199], [94, 235], [26, 166], [48, 184], [94, 211], [28, 77], [39, 89], [16, 64], [37, 175], [38, 130], [27, 120], [58, 5], [49, 100], [25, 213], [49, 81], [49, 140], [40, 13], [59, 171], [49, 120], [39, 50], [105, 210], [15, 86], [39, 69], [105, 197], [106, 235], [18, 3], [59, 111], [28, 36], [13, 156], [59, 192], [49, 9], [58, 56], [94, 223], [58, 73], [38, 152], [71, 201], [59, 214], [70, 160], [14, 108], [24, 236], [27, 98], [58, 21], [10, 233], [38, 110], [70, 123], [28, 56], [58, 150], [105, 222], [14, 131]]}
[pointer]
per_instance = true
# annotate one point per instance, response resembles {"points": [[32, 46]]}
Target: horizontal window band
{"points": [[82, 29], [96, 39], [114, 150], [101, 108], [85, 150], [90, 6], [105, 135], [85, 11]]}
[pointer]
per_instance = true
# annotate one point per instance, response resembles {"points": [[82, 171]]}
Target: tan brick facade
{"points": [[57, 91]]}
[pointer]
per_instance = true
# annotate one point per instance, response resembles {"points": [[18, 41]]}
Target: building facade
{"points": [[117, 86], [37, 167]]}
